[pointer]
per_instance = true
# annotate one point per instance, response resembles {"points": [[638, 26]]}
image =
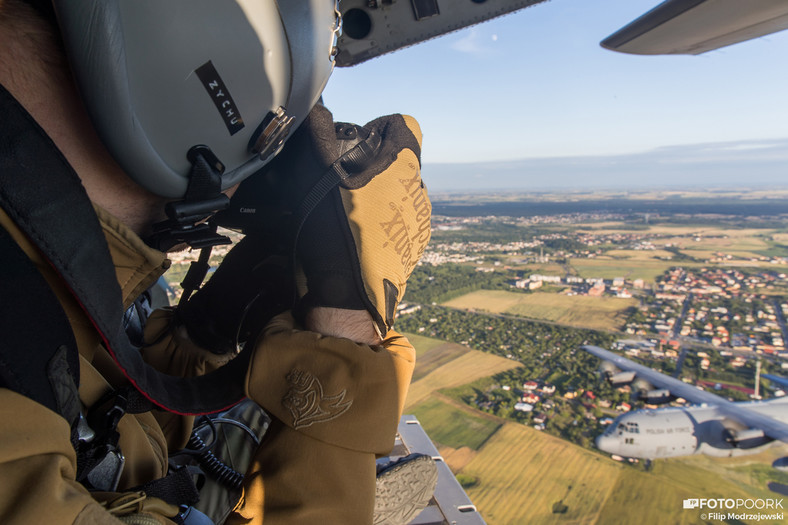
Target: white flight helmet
{"points": [[159, 77]]}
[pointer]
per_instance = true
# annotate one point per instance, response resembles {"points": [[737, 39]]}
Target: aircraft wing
{"points": [[371, 28], [770, 426], [781, 381], [691, 27]]}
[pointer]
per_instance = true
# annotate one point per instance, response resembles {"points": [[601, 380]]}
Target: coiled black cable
{"points": [[213, 466]]}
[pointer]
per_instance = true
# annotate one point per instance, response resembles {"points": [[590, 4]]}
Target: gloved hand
{"points": [[251, 285], [361, 210]]}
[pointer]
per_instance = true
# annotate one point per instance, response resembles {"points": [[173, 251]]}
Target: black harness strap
{"points": [[41, 193], [176, 488], [37, 359]]}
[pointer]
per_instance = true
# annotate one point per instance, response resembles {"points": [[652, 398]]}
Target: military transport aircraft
{"points": [[712, 425]]}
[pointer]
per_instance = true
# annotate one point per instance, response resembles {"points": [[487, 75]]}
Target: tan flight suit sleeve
{"points": [[38, 468], [336, 405], [38, 471]]}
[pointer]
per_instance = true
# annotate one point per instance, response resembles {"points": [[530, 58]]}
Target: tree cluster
{"points": [[435, 284]]}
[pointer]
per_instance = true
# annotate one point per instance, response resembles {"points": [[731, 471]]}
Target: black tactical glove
{"points": [[251, 285], [352, 198], [361, 211]]}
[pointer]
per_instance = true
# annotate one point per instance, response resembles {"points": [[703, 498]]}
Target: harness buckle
{"points": [[100, 459]]}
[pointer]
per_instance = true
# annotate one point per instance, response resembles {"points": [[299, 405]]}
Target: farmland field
{"points": [[470, 366], [641, 255], [495, 301], [454, 427], [437, 357], [423, 344], [606, 268], [661, 491], [523, 473], [606, 313], [737, 240], [703, 230], [708, 254], [540, 268]]}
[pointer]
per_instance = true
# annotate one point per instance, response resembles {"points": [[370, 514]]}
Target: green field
{"points": [[700, 242], [660, 493], [649, 270], [538, 268], [722, 240], [605, 313], [453, 427], [709, 254], [640, 255], [468, 367], [523, 473], [437, 357], [685, 232], [423, 344], [608, 268]]}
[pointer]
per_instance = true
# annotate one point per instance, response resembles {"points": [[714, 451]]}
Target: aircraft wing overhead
{"points": [[691, 27], [770, 426]]}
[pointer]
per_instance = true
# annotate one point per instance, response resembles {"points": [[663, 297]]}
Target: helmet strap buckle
{"points": [[189, 219]]}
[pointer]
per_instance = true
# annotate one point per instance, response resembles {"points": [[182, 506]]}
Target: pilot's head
{"points": [[158, 78]]}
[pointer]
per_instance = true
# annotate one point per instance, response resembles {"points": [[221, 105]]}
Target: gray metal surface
{"points": [[450, 504], [375, 27]]}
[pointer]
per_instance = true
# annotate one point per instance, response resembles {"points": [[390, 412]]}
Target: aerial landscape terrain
{"points": [[693, 284]]}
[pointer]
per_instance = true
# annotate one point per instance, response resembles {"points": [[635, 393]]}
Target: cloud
{"points": [[719, 152], [723, 164], [474, 42]]}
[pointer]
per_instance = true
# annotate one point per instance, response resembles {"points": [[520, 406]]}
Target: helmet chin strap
{"points": [[189, 220]]}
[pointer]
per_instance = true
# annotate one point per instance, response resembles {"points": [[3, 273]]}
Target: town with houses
{"points": [[589, 244], [724, 311], [742, 309], [722, 308]]}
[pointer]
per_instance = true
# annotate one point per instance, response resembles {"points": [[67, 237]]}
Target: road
{"points": [[780, 319], [677, 334]]}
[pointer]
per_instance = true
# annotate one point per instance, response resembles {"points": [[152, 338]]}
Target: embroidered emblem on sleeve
{"points": [[308, 404]]}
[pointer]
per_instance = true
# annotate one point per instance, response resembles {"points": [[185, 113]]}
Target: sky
{"points": [[531, 101]]}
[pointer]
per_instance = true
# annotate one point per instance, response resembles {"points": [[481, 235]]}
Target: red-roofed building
{"points": [[531, 398]]}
